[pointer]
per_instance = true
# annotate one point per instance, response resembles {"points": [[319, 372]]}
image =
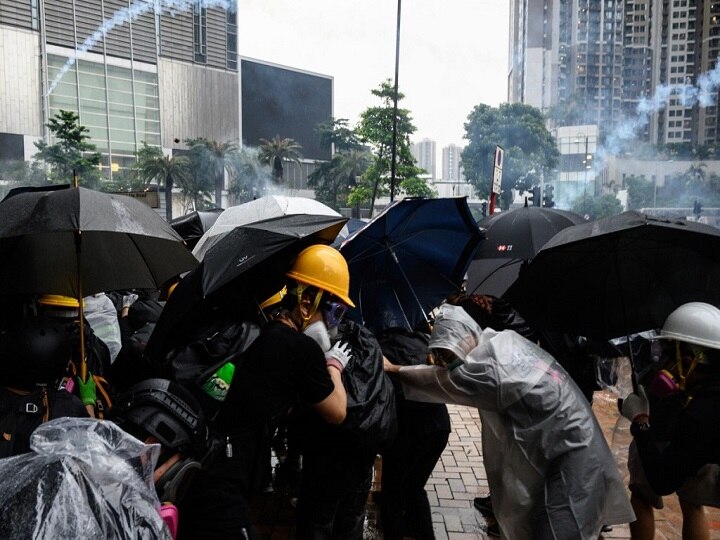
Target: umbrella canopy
{"points": [[242, 268], [193, 225], [513, 237], [408, 259], [260, 209], [619, 275], [49, 237]]}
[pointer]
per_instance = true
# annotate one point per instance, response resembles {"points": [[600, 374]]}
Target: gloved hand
{"points": [[129, 300], [635, 405], [88, 393], [339, 355]]}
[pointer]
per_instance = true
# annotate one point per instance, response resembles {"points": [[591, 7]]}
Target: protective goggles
{"points": [[333, 312]]}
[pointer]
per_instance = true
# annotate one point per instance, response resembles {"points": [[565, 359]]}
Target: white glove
{"points": [[339, 355], [635, 405], [129, 300]]}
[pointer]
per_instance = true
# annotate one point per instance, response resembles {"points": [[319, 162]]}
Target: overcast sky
{"points": [[453, 53]]}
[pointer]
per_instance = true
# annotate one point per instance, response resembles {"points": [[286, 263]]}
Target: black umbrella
{"points": [[77, 242], [521, 232], [193, 225], [240, 269], [408, 259], [513, 237], [619, 275]]}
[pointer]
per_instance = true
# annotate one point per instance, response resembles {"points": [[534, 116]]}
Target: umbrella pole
{"points": [[633, 375], [83, 362], [395, 258]]}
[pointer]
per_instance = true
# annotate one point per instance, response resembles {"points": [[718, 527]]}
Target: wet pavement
{"points": [[460, 476]]}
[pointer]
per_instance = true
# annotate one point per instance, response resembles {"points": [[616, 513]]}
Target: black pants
{"points": [[333, 495], [407, 465]]}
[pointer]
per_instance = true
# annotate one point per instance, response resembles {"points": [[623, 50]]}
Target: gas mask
{"points": [[319, 333], [666, 383], [172, 486]]}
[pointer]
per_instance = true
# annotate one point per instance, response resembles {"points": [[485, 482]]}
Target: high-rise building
{"points": [[451, 165], [154, 76], [593, 61], [424, 154]]}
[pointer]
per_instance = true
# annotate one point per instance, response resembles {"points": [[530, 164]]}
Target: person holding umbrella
{"points": [[549, 468], [283, 368], [676, 425]]}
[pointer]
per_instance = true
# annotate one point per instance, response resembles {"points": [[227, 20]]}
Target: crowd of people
{"points": [[301, 375]]}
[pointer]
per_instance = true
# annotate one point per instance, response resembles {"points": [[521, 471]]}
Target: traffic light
{"points": [[697, 207], [548, 196], [483, 206], [535, 197]]}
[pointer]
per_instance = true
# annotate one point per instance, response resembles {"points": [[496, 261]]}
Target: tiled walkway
{"points": [[459, 477]]}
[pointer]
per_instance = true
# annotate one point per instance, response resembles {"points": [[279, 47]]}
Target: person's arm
{"points": [[333, 408]]}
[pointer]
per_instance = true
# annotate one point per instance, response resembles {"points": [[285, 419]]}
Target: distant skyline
{"points": [[453, 53]]}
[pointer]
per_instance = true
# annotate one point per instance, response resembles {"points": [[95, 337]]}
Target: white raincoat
{"points": [[543, 448]]}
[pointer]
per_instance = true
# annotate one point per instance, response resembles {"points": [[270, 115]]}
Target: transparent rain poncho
{"points": [[541, 440], [85, 478]]}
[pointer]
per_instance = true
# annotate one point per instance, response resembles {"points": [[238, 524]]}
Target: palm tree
{"points": [[249, 175], [277, 150], [154, 165], [218, 158]]}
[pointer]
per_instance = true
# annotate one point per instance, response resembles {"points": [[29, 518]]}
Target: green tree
{"points": [[597, 207], [249, 175], [72, 151], [165, 170], [640, 192], [338, 132], [520, 130], [21, 174], [332, 180], [376, 130], [215, 158], [275, 151]]}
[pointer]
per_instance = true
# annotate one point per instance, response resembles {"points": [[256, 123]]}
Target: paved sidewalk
{"points": [[460, 476]]}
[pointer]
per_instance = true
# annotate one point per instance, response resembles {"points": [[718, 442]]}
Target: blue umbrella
{"points": [[409, 258]]}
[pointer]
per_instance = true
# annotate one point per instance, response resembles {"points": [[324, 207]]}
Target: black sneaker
{"points": [[483, 504], [606, 528]]}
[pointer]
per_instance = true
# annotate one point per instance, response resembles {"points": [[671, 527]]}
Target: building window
{"points": [[35, 17], [231, 39], [200, 31]]}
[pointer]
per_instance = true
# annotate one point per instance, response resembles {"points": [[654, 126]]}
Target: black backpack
{"points": [[194, 363], [22, 411], [371, 411]]}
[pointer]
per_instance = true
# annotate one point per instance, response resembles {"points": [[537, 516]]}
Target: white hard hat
{"points": [[694, 322]]}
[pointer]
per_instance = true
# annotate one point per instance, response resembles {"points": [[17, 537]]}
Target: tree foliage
{"points": [[153, 165], [376, 130], [338, 132], [675, 191], [597, 207], [249, 175], [71, 151], [333, 180], [275, 151], [520, 130], [211, 158]]}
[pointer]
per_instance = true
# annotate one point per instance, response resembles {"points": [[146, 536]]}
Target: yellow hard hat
{"points": [[57, 300], [274, 299], [323, 267]]}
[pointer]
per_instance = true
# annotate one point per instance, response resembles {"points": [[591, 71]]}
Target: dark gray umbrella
{"points": [[619, 275], [76, 242]]}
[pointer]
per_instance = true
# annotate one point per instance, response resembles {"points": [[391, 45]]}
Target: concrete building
{"points": [[576, 175], [594, 61], [452, 170], [424, 154], [153, 77], [139, 72]]}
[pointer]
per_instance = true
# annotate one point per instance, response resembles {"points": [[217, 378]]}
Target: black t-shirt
{"points": [[281, 369]]}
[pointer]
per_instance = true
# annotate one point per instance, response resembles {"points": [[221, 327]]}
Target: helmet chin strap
{"points": [[299, 290]]}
